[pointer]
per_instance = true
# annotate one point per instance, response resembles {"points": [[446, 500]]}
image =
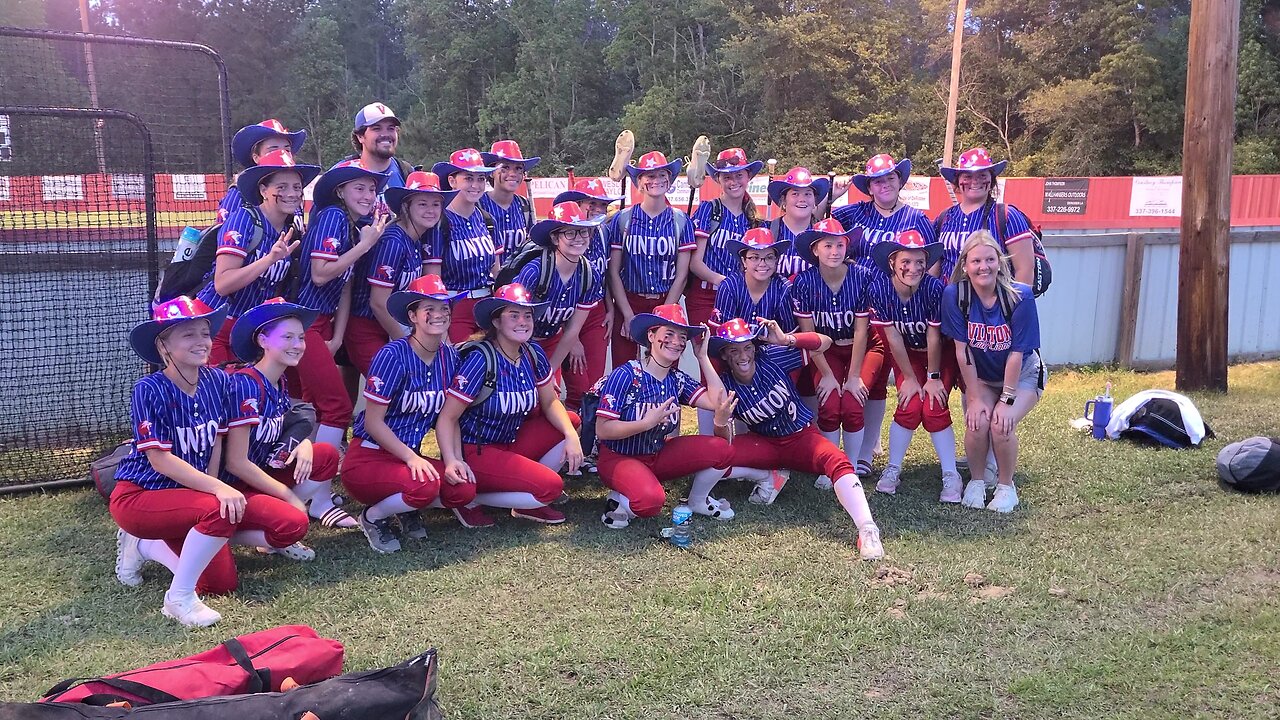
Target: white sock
{"points": [[746, 473], [513, 500], [158, 551], [873, 417], [704, 481], [854, 500], [853, 442], [198, 550], [554, 458], [706, 422], [308, 490], [899, 441], [252, 538], [388, 506], [332, 435], [944, 442], [321, 497]]}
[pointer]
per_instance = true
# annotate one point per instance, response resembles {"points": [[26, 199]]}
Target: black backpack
{"points": [[526, 255], [591, 404], [186, 277], [490, 353], [1043, 271]]}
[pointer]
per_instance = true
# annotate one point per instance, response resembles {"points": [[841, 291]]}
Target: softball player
{"points": [[715, 225], [906, 305], [395, 262], [831, 298], [799, 194], [244, 273], [587, 356], [468, 254], [168, 487], [649, 256], [340, 234], [757, 290], [510, 212], [975, 176], [998, 354], [505, 427], [271, 337], [248, 146], [404, 392], [781, 436], [639, 408]]}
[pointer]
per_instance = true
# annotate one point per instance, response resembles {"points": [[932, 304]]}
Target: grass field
{"points": [[1127, 585]]}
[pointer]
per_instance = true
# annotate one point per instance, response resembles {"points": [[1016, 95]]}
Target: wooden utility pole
{"points": [[1207, 136], [957, 37]]}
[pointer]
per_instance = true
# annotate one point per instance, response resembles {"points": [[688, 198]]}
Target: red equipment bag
{"points": [[253, 663]]}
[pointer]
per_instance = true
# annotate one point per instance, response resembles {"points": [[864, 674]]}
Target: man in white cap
{"points": [[374, 139]]}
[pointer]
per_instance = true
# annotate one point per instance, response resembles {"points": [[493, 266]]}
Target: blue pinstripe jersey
{"points": [[769, 405], [261, 405], [498, 418], [957, 226], [649, 258], [627, 395], [598, 255], [412, 390], [395, 261], [329, 237], [166, 418], [562, 295], [913, 317], [732, 227], [733, 300], [877, 228], [789, 263], [237, 232], [508, 223], [231, 202], [834, 314], [468, 254]]}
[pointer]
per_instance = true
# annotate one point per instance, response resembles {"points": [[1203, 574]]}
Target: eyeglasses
{"points": [[574, 233], [761, 259]]}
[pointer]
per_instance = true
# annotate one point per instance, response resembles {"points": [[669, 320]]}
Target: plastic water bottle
{"points": [[188, 241], [1100, 414], [682, 524]]}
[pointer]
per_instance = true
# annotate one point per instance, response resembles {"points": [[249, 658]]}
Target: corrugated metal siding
{"points": [[1254, 297], [1080, 315], [1154, 340]]}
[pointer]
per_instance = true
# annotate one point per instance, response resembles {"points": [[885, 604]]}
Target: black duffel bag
{"points": [[405, 691]]}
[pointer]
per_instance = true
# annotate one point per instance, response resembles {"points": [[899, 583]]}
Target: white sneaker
{"points": [[766, 491], [129, 560], [822, 482], [993, 476], [975, 495], [617, 512], [296, 551], [713, 507], [952, 487], [189, 610], [1006, 499], [889, 480], [869, 546]]}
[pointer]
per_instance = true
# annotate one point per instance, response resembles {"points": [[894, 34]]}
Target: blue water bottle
{"points": [[1100, 414], [682, 524]]}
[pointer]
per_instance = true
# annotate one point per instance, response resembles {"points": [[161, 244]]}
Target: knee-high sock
{"points": [[873, 414], [853, 500], [704, 481], [513, 500], [554, 458], [746, 473], [853, 442], [706, 422], [198, 550], [899, 441], [331, 434], [944, 442], [308, 490], [321, 494], [252, 538], [158, 551], [388, 506]]}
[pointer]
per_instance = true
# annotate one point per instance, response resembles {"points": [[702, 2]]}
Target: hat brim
{"points": [[492, 160], [540, 233], [953, 174], [486, 308], [737, 247], [821, 189], [399, 302], [247, 137], [641, 323], [579, 196], [358, 128], [882, 252], [444, 169], [143, 336], [716, 344], [249, 178], [863, 181], [248, 325], [396, 196], [806, 239], [325, 192], [752, 168], [673, 168]]}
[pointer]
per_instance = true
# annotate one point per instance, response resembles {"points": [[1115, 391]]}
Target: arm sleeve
{"points": [[386, 376], [613, 230], [1017, 228], [528, 275], [802, 304], [469, 378], [326, 239], [1025, 323], [541, 365], [924, 226], [614, 391], [686, 241], [245, 407], [237, 231], [387, 259], [701, 218], [690, 389], [151, 430]]}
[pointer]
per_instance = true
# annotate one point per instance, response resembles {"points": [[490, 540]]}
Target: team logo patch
{"points": [[461, 382], [375, 384], [332, 244], [249, 406], [144, 429], [607, 401], [386, 272], [230, 238]]}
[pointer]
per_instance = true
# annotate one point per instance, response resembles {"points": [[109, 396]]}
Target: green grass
{"points": [[1127, 585]]}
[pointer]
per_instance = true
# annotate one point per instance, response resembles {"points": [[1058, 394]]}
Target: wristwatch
{"points": [[1007, 398], [934, 375]]}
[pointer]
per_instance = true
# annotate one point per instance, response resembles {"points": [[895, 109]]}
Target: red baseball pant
{"points": [[639, 477]]}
